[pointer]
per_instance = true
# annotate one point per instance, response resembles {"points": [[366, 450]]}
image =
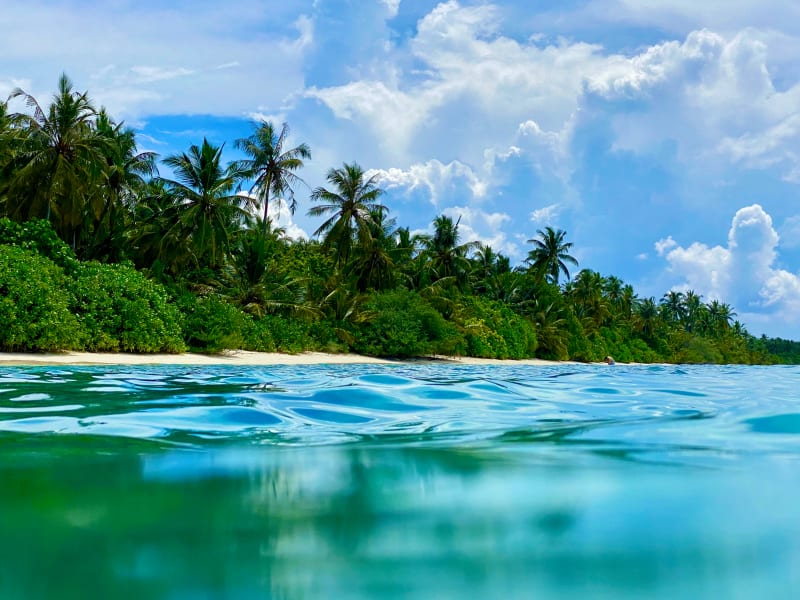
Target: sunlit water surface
{"points": [[400, 481]]}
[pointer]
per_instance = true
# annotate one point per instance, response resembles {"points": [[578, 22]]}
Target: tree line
{"points": [[133, 260]]}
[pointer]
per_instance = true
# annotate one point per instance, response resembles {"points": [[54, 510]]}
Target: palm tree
{"points": [[58, 162], [720, 316], [447, 259], [694, 311], [271, 167], [484, 267], [647, 318], [155, 241], [350, 207], [373, 264], [672, 306], [209, 209], [590, 303], [125, 177], [550, 254]]}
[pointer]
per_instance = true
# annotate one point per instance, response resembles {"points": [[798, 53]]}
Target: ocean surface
{"points": [[400, 481]]}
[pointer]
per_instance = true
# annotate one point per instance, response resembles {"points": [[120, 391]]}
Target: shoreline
{"points": [[240, 358]]}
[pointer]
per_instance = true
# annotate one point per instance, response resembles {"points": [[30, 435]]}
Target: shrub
{"points": [[288, 334], [492, 330], [212, 325], [122, 310], [400, 323], [38, 236], [34, 310], [688, 348]]}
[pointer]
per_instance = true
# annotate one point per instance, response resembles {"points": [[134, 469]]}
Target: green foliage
{"points": [[401, 324], [40, 237], [785, 351], [688, 348], [34, 310], [73, 166], [492, 330], [212, 325], [121, 310], [288, 334]]}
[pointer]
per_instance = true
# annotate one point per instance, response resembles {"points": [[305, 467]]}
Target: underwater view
{"points": [[417, 480]]}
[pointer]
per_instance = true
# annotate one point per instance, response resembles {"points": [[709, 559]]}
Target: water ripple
{"points": [[632, 409]]}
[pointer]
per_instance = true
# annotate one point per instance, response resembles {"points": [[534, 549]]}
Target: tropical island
{"points": [[100, 252]]}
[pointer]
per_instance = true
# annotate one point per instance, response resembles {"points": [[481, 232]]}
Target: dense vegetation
{"points": [[100, 252]]}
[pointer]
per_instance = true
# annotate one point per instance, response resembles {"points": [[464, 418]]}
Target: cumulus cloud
{"points": [[473, 86], [435, 178], [475, 225], [742, 273], [280, 216], [712, 94], [283, 217]]}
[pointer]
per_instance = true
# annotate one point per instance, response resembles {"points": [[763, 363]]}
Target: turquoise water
{"points": [[400, 481]]}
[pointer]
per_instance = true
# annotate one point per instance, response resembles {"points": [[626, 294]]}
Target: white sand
{"points": [[239, 357]]}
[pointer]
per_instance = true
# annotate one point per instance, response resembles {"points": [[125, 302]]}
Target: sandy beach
{"points": [[239, 357]]}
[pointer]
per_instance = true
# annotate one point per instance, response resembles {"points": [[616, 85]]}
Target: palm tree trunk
{"points": [[266, 207]]}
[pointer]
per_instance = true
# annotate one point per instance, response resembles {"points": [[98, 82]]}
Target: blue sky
{"points": [[663, 136]]}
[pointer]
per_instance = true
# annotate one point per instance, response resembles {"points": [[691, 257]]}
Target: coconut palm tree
{"points": [[373, 263], [270, 165], [550, 255], [209, 209], [590, 303], [446, 258], [672, 306], [720, 316], [58, 162], [647, 319], [350, 207], [155, 240], [125, 177]]}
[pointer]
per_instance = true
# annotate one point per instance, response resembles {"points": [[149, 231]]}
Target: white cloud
{"points": [[475, 86], [712, 94], [173, 61], [281, 216], [742, 273], [475, 225], [685, 15], [435, 178], [546, 215], [392, 7], [662, 246]]}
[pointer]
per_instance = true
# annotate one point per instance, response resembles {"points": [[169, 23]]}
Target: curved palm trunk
{"points": [[266, 210]]}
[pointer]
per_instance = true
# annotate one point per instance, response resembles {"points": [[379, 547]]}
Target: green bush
{"points": [[289, 334], [210, 324], [492, 330], [38, 236], [259, 337], [688, 348], [34, 308], [122, 310], [401, 324]]}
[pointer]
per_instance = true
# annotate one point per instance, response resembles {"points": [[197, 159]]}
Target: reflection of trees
{"points": [[94, 514]]}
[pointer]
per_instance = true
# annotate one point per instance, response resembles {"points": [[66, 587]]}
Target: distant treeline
{"points": [[100, 252]]}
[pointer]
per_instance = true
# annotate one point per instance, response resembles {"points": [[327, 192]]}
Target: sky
{"points": [[662, 135]]}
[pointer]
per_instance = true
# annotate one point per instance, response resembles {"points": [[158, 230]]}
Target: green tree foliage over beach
{"points": [[98, 251]]}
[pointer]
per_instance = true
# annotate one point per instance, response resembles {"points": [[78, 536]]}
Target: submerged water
{"points": [[407, 481]]}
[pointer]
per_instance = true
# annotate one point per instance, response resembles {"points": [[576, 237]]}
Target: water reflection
{"points": [[99, 519], [400, 482]]}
